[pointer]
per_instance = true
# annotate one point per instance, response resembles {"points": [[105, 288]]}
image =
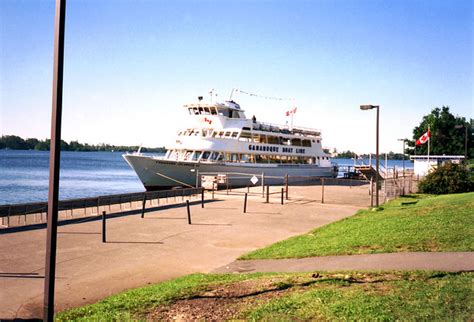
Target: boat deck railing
{"points": [[286, 129]]}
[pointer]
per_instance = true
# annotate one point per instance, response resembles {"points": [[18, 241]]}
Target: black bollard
{"points": [[143, 206], [189, 212], [282, 194], [103, 227], [322, 190], [245, 203], [268, 194], [202, 198]]}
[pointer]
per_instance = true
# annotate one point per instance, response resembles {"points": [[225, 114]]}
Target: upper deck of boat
{"points": [[232, 111]]}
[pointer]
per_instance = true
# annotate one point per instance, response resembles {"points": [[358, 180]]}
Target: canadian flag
{"points": [[292, 111], [424, 138]]}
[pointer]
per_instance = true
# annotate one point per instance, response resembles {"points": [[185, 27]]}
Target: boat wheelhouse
{"points": [[221, 139]]}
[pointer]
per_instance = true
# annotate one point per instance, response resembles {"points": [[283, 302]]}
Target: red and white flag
{"points": [[424, 138], [290, 112]]}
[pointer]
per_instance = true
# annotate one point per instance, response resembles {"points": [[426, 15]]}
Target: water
{"points": [[24, 175], [390, 163]]}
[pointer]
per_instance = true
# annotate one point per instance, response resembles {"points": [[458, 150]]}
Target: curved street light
{"points": [[377, 181]]}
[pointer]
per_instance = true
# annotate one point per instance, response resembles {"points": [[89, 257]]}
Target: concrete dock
{"points": [[160, 246]]}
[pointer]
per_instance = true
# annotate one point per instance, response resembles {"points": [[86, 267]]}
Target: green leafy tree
{"points": [[31, 143], [42, 145], [14, 142], [346, 154], [447, 134]]}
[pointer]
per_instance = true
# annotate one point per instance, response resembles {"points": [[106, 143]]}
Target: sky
{"points": [[131, 65]]}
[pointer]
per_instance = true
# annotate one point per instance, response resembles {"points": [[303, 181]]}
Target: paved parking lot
{"points": [[159, 247]]}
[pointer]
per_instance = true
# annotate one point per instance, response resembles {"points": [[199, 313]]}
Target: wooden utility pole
{"points": [[54, 158]]}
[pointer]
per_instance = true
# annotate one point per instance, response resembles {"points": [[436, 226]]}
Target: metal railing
{"points": [[38, 208]]}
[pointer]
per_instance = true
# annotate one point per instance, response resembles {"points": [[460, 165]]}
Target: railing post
{"points": [[245, 203], [189, 212], [103, 227], [286, 186], [263, 184], [268, 194], [282, 195], [143, 205], [322, 190]]}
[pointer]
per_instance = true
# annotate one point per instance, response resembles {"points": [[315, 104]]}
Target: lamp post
{"points": [[460, 126], [403, 140], [377, 181]]}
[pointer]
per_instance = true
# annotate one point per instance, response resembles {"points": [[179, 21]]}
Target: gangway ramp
{"points": [[369, 172]]}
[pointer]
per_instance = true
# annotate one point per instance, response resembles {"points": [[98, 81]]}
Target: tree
{"points": [[31, 143], [447, 134], [13, 142]]}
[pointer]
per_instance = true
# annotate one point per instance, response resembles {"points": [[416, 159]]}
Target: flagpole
{"points": [[429, 143]]}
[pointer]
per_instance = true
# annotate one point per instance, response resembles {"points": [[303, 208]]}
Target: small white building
{"points": [[424, 164]]}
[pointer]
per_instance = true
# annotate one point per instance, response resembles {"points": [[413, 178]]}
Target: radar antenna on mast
{"points": [[212, 93]]}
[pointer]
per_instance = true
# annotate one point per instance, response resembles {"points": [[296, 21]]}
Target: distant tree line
{"points": [[14, 142], [349, 155]]}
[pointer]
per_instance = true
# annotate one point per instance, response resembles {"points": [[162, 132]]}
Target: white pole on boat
{"points": [[197, 178]]}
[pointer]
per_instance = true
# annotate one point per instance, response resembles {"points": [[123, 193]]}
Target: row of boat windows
{"points": [[241, 157], [213, 111], [248, 137]]}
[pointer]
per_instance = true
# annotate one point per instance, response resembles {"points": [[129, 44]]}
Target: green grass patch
{"points": [[415, 296], [326, 296], [433, 223]]}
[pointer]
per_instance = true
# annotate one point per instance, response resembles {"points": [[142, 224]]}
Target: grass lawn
{"points": [[412, 223], [323, 296]]}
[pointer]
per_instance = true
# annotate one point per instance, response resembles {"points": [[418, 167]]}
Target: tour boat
{"points": [[221, 142]]}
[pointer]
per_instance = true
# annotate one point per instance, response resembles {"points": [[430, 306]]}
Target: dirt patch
{"points": [[221, 302]]}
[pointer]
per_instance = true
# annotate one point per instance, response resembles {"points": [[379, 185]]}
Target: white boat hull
{"points": [[158, 174]]}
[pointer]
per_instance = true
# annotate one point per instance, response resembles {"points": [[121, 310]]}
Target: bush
{"points": [[447, 178]]}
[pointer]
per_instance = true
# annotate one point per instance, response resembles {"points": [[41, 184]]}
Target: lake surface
{"points": [[24, 175]]}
